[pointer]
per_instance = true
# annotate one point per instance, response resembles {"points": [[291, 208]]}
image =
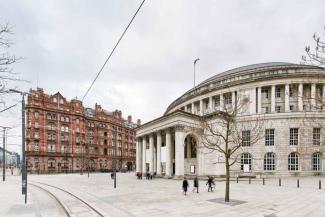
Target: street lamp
{"points": [[24, 171], [195, 61]]}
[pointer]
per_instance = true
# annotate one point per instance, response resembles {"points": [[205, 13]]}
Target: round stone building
{"points": [[290, 97]]}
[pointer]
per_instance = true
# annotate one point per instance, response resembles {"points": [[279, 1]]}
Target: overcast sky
{"points": [[64, 44]]}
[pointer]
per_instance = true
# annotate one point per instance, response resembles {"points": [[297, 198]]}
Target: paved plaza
{"points": [[163, 197]]}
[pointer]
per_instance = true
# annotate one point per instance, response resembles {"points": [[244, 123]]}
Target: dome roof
{"points": [[244, 70]]}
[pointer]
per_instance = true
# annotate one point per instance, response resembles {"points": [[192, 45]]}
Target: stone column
{"points": [[323, 98], [151, 150], [168, 154], [300, 97], [193, 112], [179, 149], [233, 99], [144, 144], [272, 98], [253, 101], [221, 107], [313, 96], [286, 98], [158, 153], [155, 159], [201, 107], [211, 104], [138, 156], [259, 99]]}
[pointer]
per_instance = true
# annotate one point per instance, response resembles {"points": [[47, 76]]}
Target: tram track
{"points": [[72, 205]]}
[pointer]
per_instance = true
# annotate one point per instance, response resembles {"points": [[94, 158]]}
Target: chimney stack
{"points": [[129, 119], [138, 122]]}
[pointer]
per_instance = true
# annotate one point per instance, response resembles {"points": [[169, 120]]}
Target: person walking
{"points": [[196, 185], [210, 182], [185, 185]]}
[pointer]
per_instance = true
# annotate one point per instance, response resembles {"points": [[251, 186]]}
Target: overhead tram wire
{"points": [[101, 69]]}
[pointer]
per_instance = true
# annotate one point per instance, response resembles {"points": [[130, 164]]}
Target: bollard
{"points": [[237, 179], [263, 181], [320, 184], [297, 183], [279, 181], [249, 180]]}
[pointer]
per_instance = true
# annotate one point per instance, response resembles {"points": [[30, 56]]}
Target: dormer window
{"points": [[55, 100], [61, 101]]}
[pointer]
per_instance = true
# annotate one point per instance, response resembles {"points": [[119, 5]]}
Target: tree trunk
{"points": [[227, 180]]}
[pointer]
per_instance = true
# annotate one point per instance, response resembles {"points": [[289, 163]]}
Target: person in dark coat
{"points": [[210, 182], [196, 184], [185, 185]]}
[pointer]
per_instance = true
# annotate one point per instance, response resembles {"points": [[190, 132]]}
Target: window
{"points": [[55, 100], [36, 147], [278, 92], [246, 137], [61, 101], [293, 161], [265, 110], [63, 149], [77, 130], [269, 161], [316, 136], [50, 148], [36, 135], [217, 101], [36, 115], [293, 136], [49, 136], [227, 97], [245, 159], [77, 121], [316, 162], [62, 118], [265, 93], [51, 163], [62, 128], [277, 109], [66, 129], [36, 125], [67, 119], [269, 137], [291, 108], [290, 92]]}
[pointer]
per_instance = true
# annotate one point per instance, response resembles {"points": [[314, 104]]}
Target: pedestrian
{"points": [[140, 175], [196, 184], [185, 185], [210, 182], [12, 170]]}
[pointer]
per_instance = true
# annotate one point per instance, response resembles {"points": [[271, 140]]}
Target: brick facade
{"points": [[65, 136]]}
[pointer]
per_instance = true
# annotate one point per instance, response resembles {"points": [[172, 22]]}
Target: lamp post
{"points": [[24, 171], [195, 61], [4, 153]]}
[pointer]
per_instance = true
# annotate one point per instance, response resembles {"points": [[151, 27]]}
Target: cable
{"points": [[9, 107], [101, 69]]}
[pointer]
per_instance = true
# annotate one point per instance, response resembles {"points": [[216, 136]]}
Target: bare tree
{"points": [[226, 132], [315, 56], [6, 60]]}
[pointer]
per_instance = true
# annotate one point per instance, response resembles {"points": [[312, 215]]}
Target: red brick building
{"points": [[65, 136]]}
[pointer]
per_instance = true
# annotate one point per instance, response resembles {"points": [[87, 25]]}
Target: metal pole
{"points": [[24, 174], [114, 161], [4, 156]]}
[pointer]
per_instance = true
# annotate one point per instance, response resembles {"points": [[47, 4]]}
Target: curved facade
{"points": [[291, 99]]}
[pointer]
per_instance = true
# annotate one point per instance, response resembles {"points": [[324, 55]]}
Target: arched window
{"points": [[293, 161], [269, 161], [105, 141], [105, 151], [316, 162], [245, 159]]}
